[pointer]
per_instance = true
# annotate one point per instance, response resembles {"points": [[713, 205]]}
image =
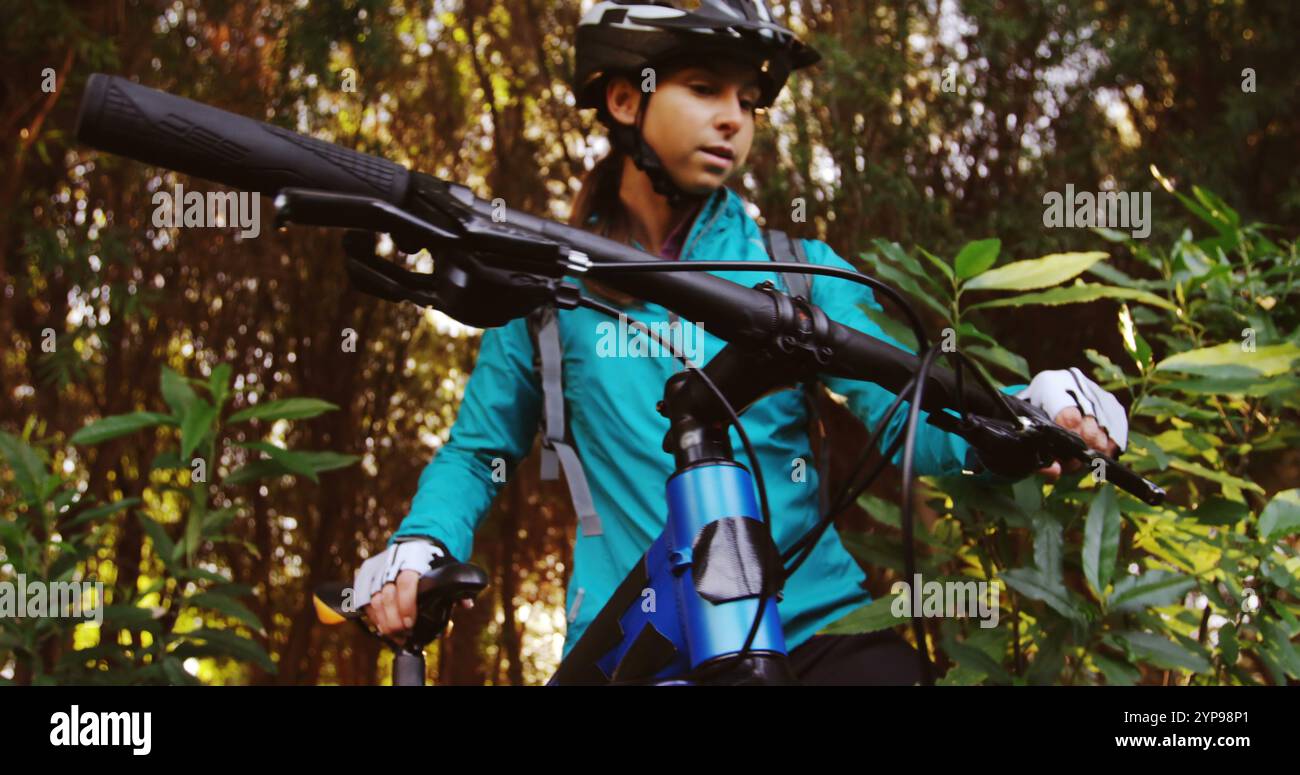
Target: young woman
{"points": [[663, 188]]}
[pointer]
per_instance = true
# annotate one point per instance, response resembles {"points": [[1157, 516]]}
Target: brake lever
{"points": [[1066, 445], [1016, 448]]}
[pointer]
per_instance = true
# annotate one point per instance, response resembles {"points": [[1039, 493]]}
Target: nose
{"points": [[730, 114]]}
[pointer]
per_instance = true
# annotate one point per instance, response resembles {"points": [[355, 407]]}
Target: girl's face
{"points": [[700, 122]]}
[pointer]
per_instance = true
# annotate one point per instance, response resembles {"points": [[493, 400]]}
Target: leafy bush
{"points": [[50, 531], [1096, 585]]}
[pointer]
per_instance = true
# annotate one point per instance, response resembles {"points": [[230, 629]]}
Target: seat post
{"points": [[408, 667]]}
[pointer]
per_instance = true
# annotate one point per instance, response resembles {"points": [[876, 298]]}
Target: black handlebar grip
{"points": [[125, 118]]}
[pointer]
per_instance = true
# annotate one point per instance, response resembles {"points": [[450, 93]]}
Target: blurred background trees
{"points": [[928, 124]]}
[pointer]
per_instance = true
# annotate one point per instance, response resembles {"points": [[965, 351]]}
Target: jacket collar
{"points": [[722, 202], [714, 215]]}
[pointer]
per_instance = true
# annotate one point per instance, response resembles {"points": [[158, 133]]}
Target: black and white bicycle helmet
{"points": [[626, 37]]}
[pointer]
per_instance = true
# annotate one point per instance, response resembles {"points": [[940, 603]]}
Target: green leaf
{"points": [[1281, 517], [939, 263], [1276, 671], [285, 409], [1279, 644], [1110, 235], [1228, 645], [1000, 357], [195, 425], [258, 469], [1048, 662], [1231, 359], [219, 384], [1225, 218], [1028, 494], [1035, 273], [128, 616], [1117, 673], [176, 392], [1030, 583], [909, 287], [1255, 387], [118, 425], [1152, 589], [193, 532], [1157, 406], [1077, 293], [214, 521], [901, 257], [1101, 540], [232, 645], [169, 459], [200, 574], [103, 511], [1282, 610], [883, 511], [1164, 653], [290, 460], [302, 462], [967, 331], [1220, 512], [975, 658], [28, 464], [228, 606], [164, 547], [894, 329], [1047, 550], [174, 669], [1134, 344], [884, 552], [1277, 573], [872, 617], [1186, 466], [1115, 277], [325, 460], [975, 257]]}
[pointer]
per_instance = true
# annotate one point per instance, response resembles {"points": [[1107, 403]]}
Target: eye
{"points": [[702, 88]]}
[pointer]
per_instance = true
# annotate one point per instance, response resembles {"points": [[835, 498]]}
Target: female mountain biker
{"points": [[678, 91]]}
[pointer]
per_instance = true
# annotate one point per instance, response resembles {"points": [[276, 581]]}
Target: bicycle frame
{"points": [[703, 599]]}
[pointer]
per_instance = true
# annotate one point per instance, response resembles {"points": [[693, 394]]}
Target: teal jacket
{"points": [[619, 435]]}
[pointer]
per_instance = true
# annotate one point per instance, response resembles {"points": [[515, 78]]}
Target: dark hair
{"points": [[598, 195], [598, 209]]}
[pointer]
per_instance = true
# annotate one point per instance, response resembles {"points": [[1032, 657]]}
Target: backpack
{"points": [[557, 444]]}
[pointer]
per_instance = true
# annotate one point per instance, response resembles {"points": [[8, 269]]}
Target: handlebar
{"points": [[437, 592], [152, 126], [516, 259]]}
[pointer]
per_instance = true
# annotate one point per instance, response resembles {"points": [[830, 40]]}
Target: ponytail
{"points": [[598, 209]]}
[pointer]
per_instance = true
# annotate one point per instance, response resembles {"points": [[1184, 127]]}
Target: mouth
{"points": [[719, 155]]}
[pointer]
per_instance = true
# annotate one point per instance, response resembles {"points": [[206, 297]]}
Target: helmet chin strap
{"points": [[631, 140]]}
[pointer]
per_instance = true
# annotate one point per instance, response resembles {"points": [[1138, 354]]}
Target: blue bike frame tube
{"points": [[656, 625], [697, 496]]}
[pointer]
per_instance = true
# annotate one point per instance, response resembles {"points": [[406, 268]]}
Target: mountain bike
{"points": [[715, 573]]}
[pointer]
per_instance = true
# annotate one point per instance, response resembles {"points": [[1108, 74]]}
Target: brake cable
{"points": [[587, 301], [809, 540]]}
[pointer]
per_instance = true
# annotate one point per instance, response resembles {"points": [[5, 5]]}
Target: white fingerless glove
{"points": [[411, 553], [1053, 391]]}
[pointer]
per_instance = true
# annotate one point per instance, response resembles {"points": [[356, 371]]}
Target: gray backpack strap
{"points": [[557, 449], [782, 247]]}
